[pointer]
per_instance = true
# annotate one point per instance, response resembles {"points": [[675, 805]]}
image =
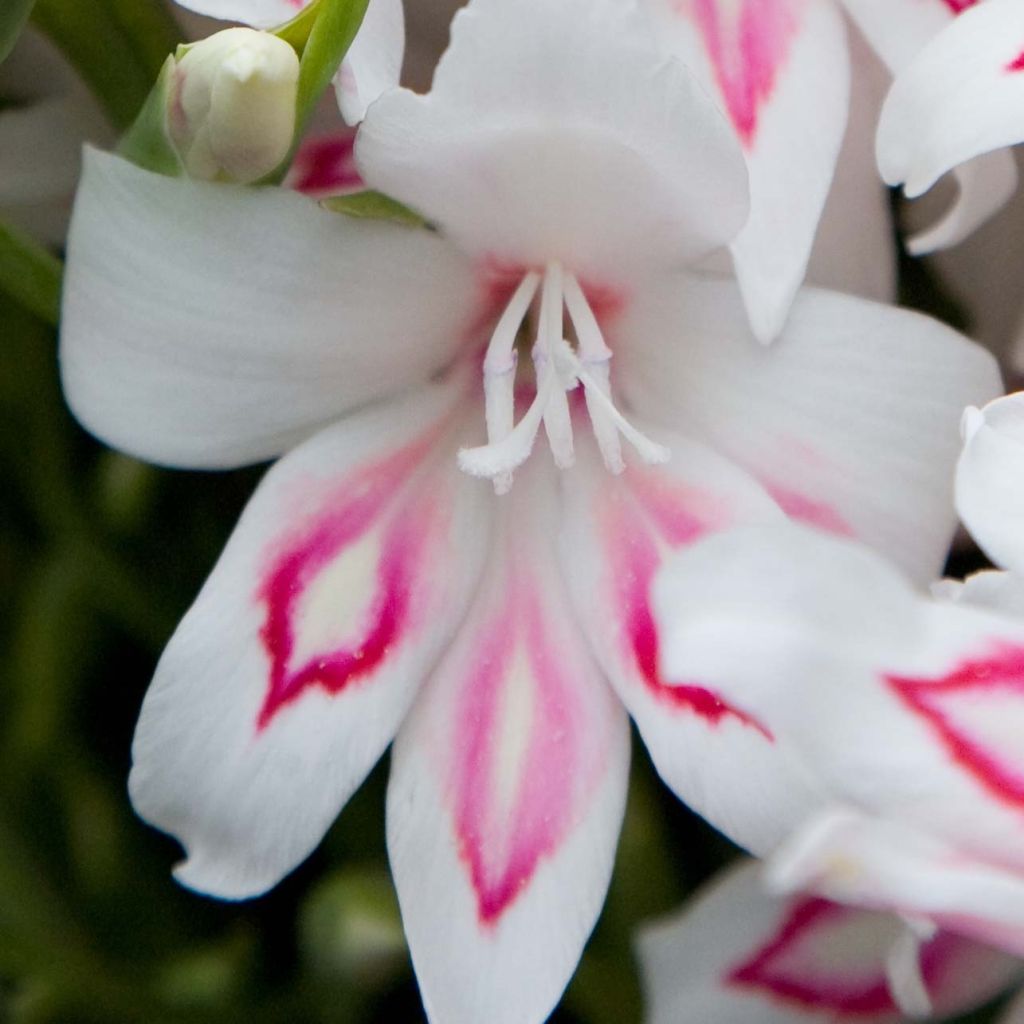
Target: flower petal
{"points": [[553, 131], [961, 97], [209, 325], [721, 761], [507, 790], [849, 420], [374, 60], [780, 70], [735, 953], [905, 708], [257, 13], [990, 479], [347, 575]]}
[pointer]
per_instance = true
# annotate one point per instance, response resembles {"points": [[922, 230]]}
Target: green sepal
{"points": [[324, 31], [13, 15], [372, 205], [147, 143], [30, 274]]}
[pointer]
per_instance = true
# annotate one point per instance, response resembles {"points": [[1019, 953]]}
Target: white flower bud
{"points": [[231, 107]]}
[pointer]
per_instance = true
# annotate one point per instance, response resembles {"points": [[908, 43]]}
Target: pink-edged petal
{"points": [[554, 131], [875, 862], [849, 420], [905, 708], [374, 60], [961, 97], [718, 759], [210, 325], [507, 790], [325, 166], [853, 249], [990, 479], [737, 954], [780, 70], [347, 575]]}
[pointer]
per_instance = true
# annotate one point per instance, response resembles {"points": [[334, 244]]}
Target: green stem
{"points": [[30, 274]]}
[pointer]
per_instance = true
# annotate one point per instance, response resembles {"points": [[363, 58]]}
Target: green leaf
{"points": [[13, 16], [296, 32], [374, 206], [117, 51], [147, 143], [29, 274]]}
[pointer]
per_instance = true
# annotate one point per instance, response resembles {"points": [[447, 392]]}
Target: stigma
{"points": [[560, 367]]}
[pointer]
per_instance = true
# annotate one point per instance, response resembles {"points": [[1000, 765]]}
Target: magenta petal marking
{"points": [[793, 968], [325, 166], [747, 51], [1017, 64], [635, 558], [351, 512], [1002, 674], [806, 510], [503, 845], [959, 6]]}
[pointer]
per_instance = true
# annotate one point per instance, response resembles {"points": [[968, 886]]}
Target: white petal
{"points": [[898, 29], [554, 131], [722, 762], [374, 60], [990, 479], [347, 575], [999, 591], [257, 13], [737, 955], [853, 249], [780, 70], [962, 96], [908, 709], [507, 790], [209, 325], [849, 420]]}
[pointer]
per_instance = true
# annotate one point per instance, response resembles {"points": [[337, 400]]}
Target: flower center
{"points": [[559, 368]]}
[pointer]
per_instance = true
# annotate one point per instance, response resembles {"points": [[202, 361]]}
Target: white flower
{"points": [[374, 590]]}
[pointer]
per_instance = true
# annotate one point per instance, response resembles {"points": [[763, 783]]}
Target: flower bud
{"points": [[231, 107]]}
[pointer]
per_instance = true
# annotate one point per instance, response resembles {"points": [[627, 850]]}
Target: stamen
{"points": [[559, 369], [557, 421]]}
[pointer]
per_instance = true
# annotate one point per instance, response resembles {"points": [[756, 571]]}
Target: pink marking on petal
{"points": [[502, 847], [1017, 64], [795, 966], [680, 515], [356, 508], [807, 510], [325, 166], [1002, 674], [747, 52], [959, 6]]}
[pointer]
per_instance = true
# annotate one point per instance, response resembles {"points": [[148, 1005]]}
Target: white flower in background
{"points": [[231, 105], [376, 589], [47, 115], [906, 708], [737, 954], [372, 64], [781, 71]]}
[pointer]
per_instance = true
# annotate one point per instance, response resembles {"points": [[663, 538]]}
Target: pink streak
{"points": [[325, 165], [1017, 64], [635, 558], [807, 510], [959, 6], [747, 53], [502, 852], [1003, 673], [356, 507], [802, 927]]}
